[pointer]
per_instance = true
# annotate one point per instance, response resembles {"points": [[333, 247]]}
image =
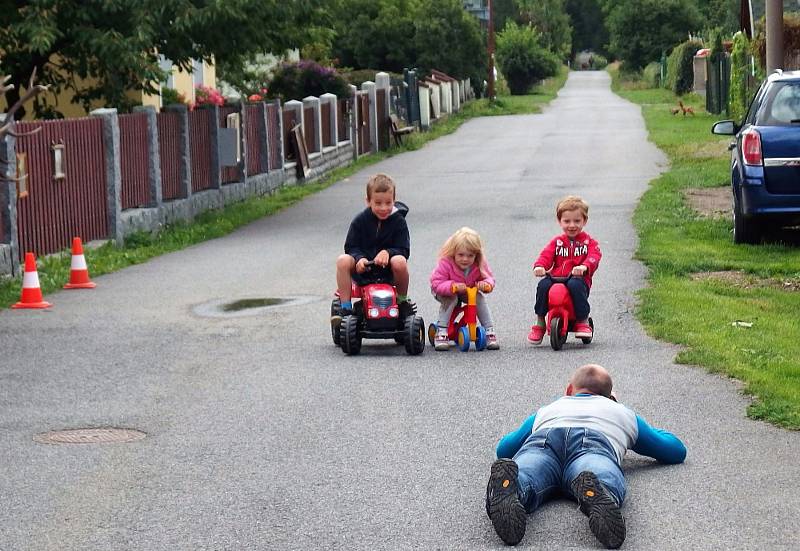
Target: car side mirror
{"points": [[724, 128]]}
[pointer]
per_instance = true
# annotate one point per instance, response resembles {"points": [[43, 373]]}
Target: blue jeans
{"points": [[550, 459], [578, 290]]}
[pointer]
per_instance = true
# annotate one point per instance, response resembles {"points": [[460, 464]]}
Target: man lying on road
{"points": [[574, 445]]}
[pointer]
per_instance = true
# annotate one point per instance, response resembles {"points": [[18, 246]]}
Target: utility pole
{"points": [[774, 19], [491, 52]]}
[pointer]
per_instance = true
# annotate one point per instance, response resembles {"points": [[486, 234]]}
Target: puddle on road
{"points": [[227, 308]]}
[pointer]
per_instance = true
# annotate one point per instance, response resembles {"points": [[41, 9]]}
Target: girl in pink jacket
{"points": [[462, 264]]}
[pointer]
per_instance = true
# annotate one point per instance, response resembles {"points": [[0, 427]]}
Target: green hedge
{"points": [[680, 68]]}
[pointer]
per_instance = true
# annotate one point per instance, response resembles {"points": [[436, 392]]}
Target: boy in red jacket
{"points": [[575, 253]]}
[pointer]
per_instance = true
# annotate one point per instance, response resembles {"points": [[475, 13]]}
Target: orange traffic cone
{"points": [[31, 292], [78, 273]]}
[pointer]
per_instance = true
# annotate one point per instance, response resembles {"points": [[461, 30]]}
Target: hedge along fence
{"points": [[741, 80], [680, 67], [158, 168], [791, 41]]}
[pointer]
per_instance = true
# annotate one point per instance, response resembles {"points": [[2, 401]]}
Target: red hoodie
{"points": [[562, 254]]}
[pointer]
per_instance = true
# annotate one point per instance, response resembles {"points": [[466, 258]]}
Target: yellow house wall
{"points": [[182, 80]]}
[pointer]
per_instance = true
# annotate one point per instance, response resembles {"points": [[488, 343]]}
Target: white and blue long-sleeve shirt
{"points": [[621, 426]]}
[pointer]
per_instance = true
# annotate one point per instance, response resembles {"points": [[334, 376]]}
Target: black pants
{"points": [[578, 290]]}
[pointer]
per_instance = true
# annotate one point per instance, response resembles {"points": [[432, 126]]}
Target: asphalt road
{"points": [[262, 435]]}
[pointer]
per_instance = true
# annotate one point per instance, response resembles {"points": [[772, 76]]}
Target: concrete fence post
{"points": [[9, 247], [314, 103], [185, 188], [281, 140], [370, 89], [110, 121], [383, 82], [333, 101], [424, 107], [153, 155]]}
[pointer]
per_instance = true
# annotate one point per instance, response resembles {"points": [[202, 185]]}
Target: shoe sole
{"points": [[503, 506], [536, 342], [441, 348], [605, 518], [583, 335]]}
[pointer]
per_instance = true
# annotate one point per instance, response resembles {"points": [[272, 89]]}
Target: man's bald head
{"points": [[591, 379]]}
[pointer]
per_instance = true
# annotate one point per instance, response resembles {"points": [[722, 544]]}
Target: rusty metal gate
{"points": [[362, 109], [64, 194]]}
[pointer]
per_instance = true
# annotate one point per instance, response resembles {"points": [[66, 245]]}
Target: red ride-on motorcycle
{"points": [[560, 318], [376, 315]]}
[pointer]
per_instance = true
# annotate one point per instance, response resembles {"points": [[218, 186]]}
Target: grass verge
{"points": [[709, 317], [54, 269]]}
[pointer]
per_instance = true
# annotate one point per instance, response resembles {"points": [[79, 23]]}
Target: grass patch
{"points": [[676, 242], [54, 269]]}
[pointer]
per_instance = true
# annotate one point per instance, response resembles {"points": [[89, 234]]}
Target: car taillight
{"points": [[751, 148]]}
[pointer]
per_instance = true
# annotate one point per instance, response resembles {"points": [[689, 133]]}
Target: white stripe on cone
{"points": [[30, 280], [78, 262]]}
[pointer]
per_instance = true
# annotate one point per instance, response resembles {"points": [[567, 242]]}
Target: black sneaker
{"points": [[605, 518], [336, 319], [503, 506], [407, 308]]}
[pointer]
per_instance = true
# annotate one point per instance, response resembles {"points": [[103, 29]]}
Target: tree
{"points": [[640, 30], [447, 38], [99, 49], [374, 34], [552, 21], [589, 30], [522, 58]]}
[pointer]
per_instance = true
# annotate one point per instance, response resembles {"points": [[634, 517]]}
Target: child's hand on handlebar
{"points": [[382, 258], [579, 270], [361, 265], [484, 287], [459, 288], [538, 271]]}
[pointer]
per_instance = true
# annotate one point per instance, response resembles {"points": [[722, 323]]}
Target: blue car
{"points": [[765, 159]]}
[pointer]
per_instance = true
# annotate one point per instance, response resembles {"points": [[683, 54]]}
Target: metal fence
{"points": [[253, 139], [230, 174], [59, 201], [309, 129], [169, 146], [327, 131], [289, 122], [134, 160], [343, 119], [274, 136]]}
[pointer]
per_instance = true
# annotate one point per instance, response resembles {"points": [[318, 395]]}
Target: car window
{"points": [[781, 105]]}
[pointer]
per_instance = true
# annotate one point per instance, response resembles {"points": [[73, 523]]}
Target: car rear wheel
{"points": [[745, 230]]}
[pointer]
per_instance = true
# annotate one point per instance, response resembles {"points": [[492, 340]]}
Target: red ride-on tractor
{"points": [[560, 318], [463, 327], [376, 315]]}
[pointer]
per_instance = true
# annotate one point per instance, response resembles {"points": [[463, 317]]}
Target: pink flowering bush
{"points": [[205, 95]]}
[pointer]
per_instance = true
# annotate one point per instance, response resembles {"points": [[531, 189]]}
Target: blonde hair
{"points": [[464, 238], [380, 183], [572, 202]]}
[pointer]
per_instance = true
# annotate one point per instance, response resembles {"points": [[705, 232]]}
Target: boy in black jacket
{"points": [[378, 233]]}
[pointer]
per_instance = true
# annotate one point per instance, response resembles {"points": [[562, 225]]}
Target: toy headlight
{"points": [[373, 313], [393, 312]]}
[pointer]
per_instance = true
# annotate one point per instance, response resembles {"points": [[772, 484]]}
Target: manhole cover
{"points": [[226, 308], [89, 436]]}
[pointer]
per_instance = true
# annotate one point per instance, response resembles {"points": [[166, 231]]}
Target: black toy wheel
{"points": [[587, 340], [415, 335], [336, 310], [556, 340], [350, 335]]}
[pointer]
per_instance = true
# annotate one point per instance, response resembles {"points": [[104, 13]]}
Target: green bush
{"points": [[680, 67], [652, 74], [522, 58], [740, 75], [170, 96], [791, 37], [599, 61], [306, 78]]}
